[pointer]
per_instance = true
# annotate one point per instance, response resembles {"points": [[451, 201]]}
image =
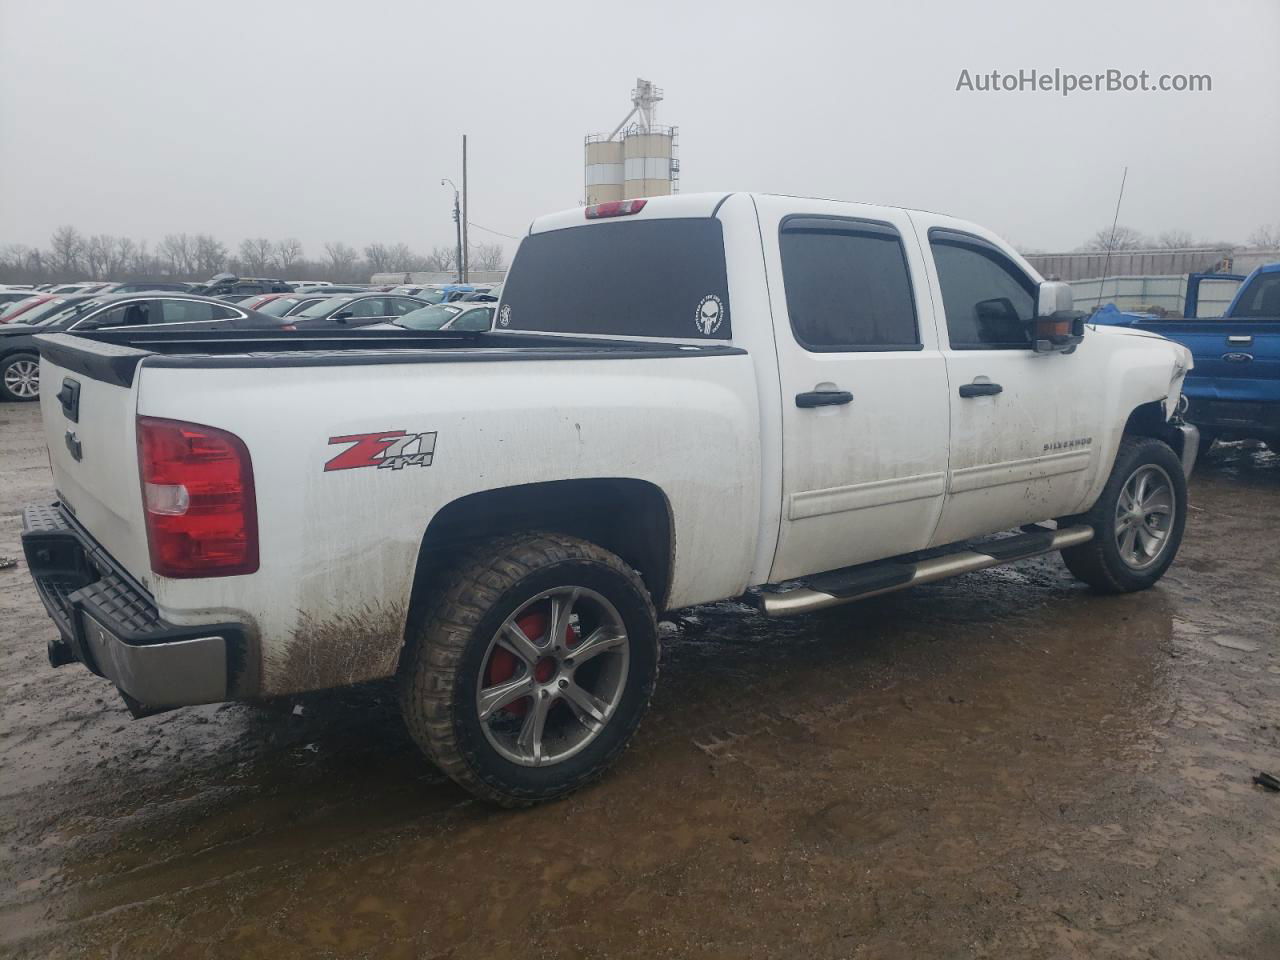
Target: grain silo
{"points": [[638, 159], [604, 169]]}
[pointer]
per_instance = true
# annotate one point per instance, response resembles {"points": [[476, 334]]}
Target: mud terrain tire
{"points": [[1100, 563], [445, 665]]}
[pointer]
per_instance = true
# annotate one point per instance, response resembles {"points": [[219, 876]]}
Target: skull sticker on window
{"points": [[504, 317], [710, 315]]}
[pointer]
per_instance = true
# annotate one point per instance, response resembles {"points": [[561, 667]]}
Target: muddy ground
{"points": [[999, 766]]}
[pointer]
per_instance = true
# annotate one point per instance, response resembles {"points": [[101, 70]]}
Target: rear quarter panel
{"points": [[338, 548]]}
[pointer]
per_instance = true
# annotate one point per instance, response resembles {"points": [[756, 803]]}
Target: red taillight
{"points": [[614, 208], [198, 500]]}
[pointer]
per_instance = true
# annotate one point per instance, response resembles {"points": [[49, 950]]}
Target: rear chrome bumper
{"points": [[1190, 447], [108, 622]]}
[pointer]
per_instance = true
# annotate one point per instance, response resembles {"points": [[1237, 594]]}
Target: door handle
{"points": [[980, 389], [823, 398]]}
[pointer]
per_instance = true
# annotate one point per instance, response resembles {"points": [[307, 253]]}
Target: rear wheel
{"points": [[20, 377], [533, 668], [1137, 521]]}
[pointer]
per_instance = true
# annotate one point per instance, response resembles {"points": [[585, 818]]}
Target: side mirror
{"points": [[343, 317], [1057, 327]]}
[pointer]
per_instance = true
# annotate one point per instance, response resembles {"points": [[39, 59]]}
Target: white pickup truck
{"points": [[690, 398]]}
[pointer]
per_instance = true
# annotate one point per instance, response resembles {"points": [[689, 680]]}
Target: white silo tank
{"points": [[603, 170], [647, 162]]}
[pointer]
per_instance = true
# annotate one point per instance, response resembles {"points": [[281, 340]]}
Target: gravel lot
{"points": [[999, 766]]}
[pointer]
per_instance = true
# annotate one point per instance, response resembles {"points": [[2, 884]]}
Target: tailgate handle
{"points": [[69, 397], [1240, 338]]}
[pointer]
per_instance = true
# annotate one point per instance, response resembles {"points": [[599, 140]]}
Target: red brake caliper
{"points": [[503, 664]]}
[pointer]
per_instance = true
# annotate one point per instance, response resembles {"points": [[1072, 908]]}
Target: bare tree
{"points": [[442, 259], [1265, 237], [379, 257], [1174, 239], [179, 250], [99, 252], [257, 254], [210, 255], [341, 259], [141, 263], [288, 252], [1121, 238], [66, 250], [123, 258], [486, 256], [403, 260]]}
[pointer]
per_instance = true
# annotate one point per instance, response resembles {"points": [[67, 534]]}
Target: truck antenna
{"points": [[1112, 239]]}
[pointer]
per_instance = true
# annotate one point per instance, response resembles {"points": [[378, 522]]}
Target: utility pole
{"points": [[457, 225], [466, 249]]}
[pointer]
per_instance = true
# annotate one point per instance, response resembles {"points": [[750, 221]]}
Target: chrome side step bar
{"points": [[871, 580]]}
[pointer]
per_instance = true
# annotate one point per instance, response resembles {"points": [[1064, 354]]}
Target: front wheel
{"points": [[533, 668], [1137, 521], [20, 377]]}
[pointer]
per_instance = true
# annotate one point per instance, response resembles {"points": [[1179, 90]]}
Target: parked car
{"points": [[258, 301], [443, 316], [85, 286], [229, 286], [142, 286], [1234, 391], [79, 313], [12, 311], [354, 310], [687, 399], [13, 296]]}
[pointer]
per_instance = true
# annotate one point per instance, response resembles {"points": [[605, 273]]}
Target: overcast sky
{"points": [[336, 119]]}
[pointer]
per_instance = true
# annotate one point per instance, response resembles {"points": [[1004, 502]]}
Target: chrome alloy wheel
{"points": [[1145, 513], [553, 676], [22, 379]]}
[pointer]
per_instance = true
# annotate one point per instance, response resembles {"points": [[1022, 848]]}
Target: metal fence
{"points": [[1130, 263], [1166, 293]]}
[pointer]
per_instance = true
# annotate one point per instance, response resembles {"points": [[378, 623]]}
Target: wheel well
{"points": [[630, 518], [1148, 420]]}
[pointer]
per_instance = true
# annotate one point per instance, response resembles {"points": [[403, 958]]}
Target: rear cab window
{"points": [[1260, 300], [638, 278]]}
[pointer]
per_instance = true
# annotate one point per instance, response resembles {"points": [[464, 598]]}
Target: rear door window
{"points": [[191, 311], [369, 307], [847, 285], [639, 278]]}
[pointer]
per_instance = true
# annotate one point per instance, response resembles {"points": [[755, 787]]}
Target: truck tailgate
{"points": [[89, 424]]}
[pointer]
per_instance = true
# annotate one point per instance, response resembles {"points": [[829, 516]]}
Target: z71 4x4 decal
{"points": [[386, 450]]}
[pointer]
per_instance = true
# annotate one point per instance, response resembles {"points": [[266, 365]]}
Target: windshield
{"points": [[279, 306], [55, 309], [642, 278], [324, 307], [14, 307], [428, 318]]}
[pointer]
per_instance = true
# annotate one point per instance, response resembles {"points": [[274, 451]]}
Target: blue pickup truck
{"points": [[1234, 390]]}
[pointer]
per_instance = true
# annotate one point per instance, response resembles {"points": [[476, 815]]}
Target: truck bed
{"points": [[114, 356]]}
